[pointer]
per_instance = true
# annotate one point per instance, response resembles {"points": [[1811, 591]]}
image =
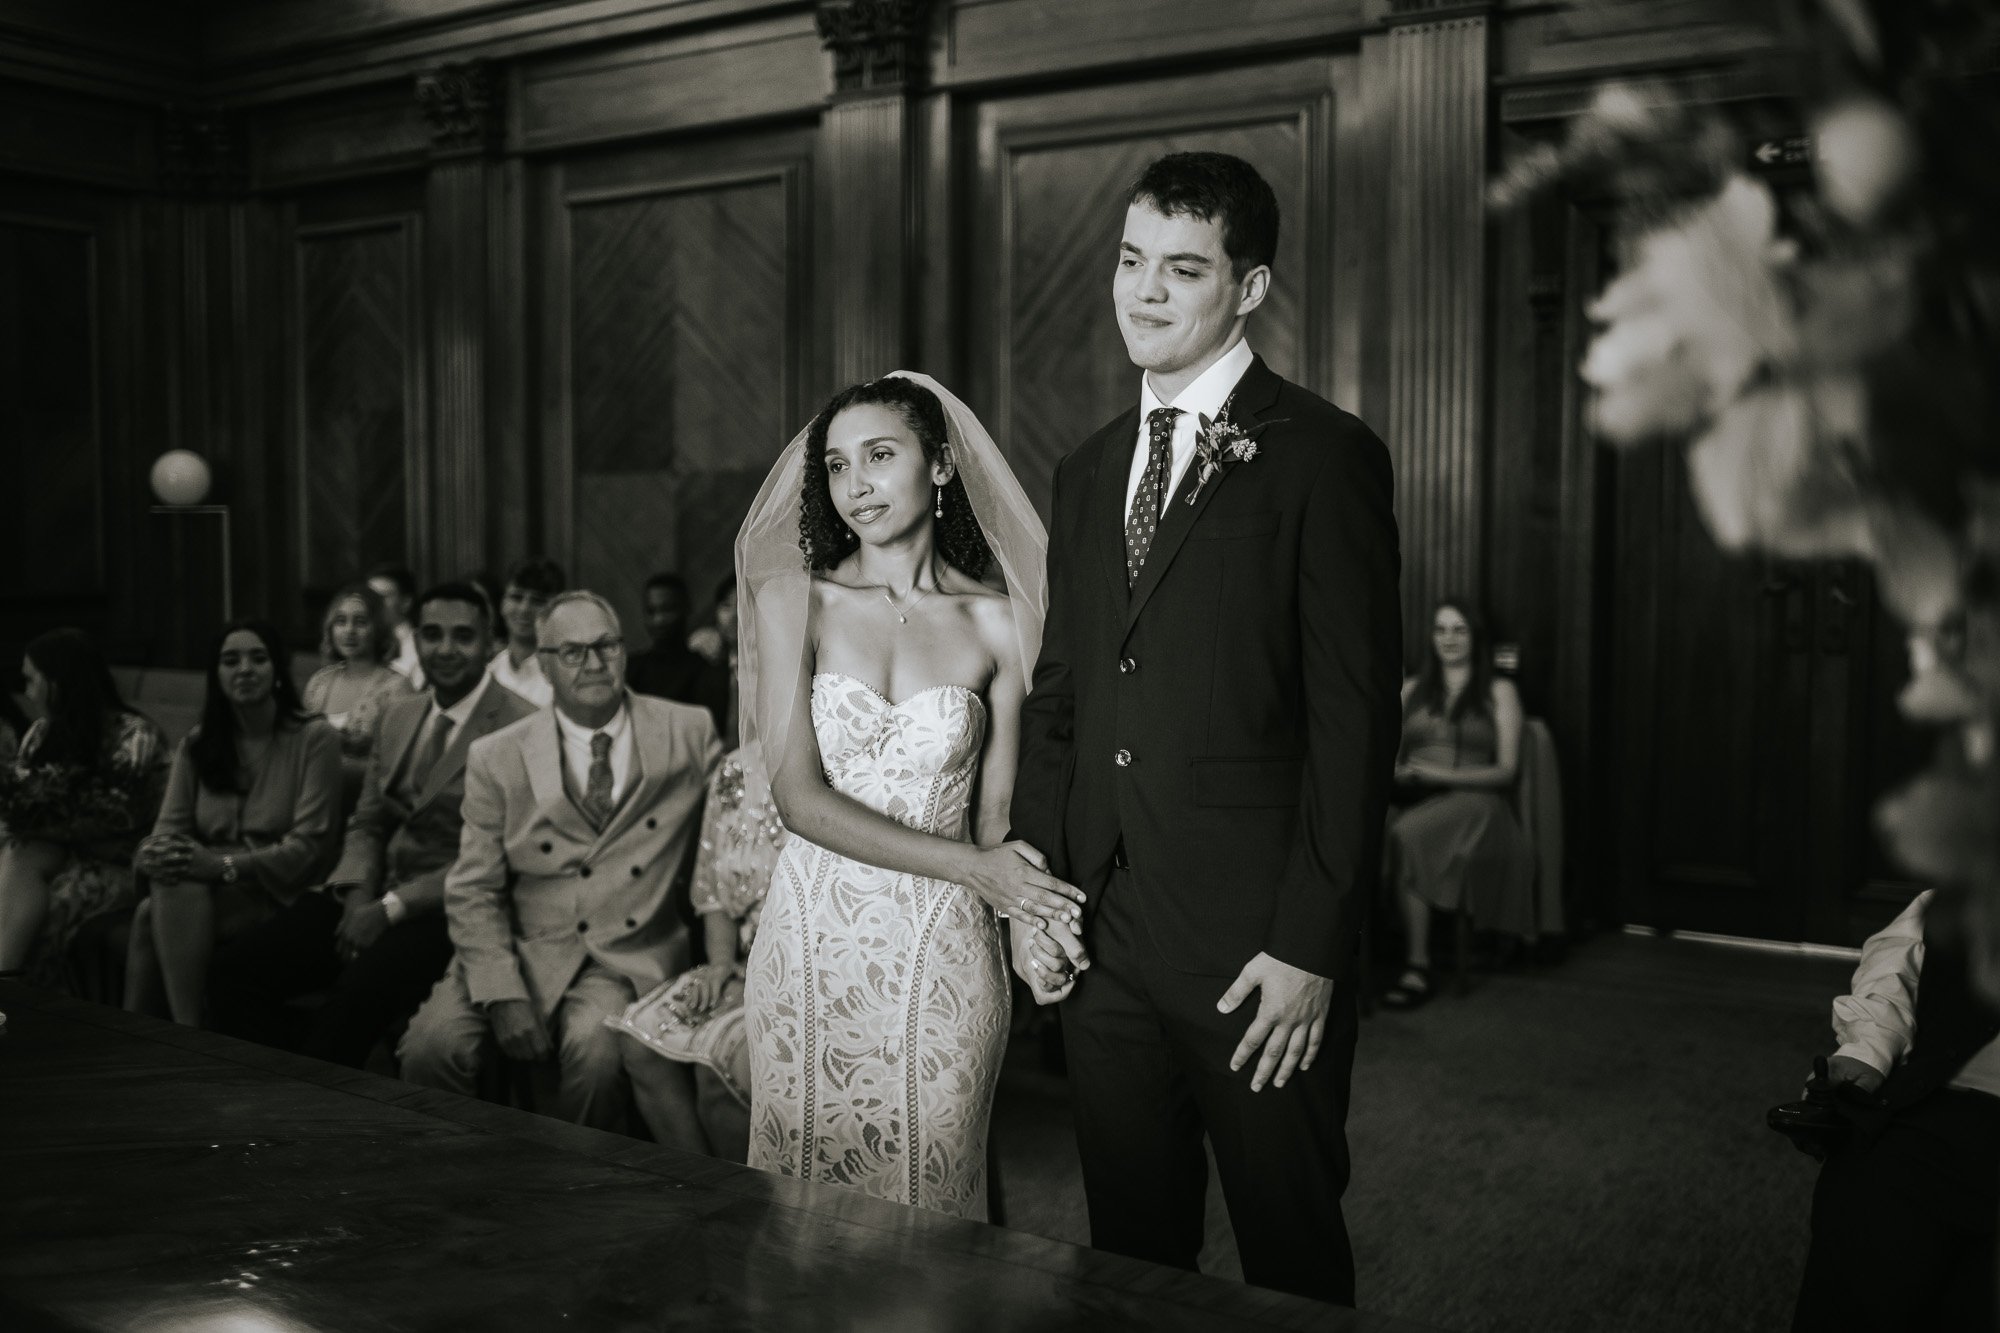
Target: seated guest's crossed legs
{"points": [[272, 962], [380, 988]]}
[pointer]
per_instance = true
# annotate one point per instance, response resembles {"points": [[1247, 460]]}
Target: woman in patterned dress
{"points": [[54, 878], [885, 680], [357, 642]]}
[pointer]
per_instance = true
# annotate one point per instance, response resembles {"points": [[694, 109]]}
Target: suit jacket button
{"points": [[638, 871], [1126, 666], [631, 923], [548, 847], [582, 926], [585, 872], [652, 822], [1123, 759]]}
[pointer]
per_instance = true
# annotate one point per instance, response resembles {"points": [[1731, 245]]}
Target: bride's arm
{"points": [[1005, 876], [1001, 760]]}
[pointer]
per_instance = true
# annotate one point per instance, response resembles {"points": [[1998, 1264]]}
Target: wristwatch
{"points": [[393, 907], [228, 868]]}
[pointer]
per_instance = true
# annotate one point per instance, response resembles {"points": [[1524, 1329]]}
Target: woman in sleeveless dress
{"points": [[1454, 844], [884, 680]]}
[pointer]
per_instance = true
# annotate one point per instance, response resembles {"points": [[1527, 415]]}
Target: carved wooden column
{"points": [[463, 104], [879, 54], [1436, 57]]}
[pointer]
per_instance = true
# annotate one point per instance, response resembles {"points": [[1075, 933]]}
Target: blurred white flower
{"points": [[1865, 155], [1774, 470], [1696, 317]]}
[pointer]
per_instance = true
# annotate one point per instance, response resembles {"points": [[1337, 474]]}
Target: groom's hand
{"points": [[1291, 1018], [1047, 957]]}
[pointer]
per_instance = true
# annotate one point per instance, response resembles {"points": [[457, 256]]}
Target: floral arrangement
{"points": [[1830, 354], [64, 803]]}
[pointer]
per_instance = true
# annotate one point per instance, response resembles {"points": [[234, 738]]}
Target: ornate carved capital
{"points": [[463, 104], [877, 45], [202, 152]]}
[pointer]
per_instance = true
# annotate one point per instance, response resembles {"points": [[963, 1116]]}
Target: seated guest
{"points": [[13, 726], [697, 1017], [669, 668], [357, 640], [1454, 843], [518, 666], [87, 779], [576, 823], [716, 642], [376, 937], [1903, 1218], [248, 823], [397, 587]]}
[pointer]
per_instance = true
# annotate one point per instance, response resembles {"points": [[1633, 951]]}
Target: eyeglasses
{"points": [[573, 654]]}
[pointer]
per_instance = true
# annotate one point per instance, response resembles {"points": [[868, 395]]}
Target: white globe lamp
{"points": [[181, 478]]}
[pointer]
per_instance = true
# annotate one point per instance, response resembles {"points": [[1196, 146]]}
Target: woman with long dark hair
{"points": [[1454, 844], [95, 768], [248, 822]]}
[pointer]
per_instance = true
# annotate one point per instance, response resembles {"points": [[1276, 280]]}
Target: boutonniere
{"points": [[1220, 441]]}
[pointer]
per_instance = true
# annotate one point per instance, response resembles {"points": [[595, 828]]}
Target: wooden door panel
{"points": [[676, 339]]}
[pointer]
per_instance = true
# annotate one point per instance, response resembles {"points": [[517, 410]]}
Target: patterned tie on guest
{"points": [[597, 789], [1145, 516]]}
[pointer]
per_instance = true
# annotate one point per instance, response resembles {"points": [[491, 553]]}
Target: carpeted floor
{"points": [[1573, 1148]]}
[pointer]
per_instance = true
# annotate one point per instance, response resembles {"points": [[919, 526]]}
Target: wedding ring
{"points": [[1023, 903]]}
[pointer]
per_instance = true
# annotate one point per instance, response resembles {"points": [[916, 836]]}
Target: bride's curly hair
{"points": [[825, 537]]}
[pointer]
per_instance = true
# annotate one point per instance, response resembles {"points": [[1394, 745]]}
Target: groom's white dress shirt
{"points": [[1204, 397]]}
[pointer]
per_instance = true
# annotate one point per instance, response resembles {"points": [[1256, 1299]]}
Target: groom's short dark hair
{"points": [[1216, 187]]}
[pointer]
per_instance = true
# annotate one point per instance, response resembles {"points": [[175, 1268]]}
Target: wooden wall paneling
{"points": [[999, 41], [675, 334], [360, 449], [276, 48], [130, 50], [52, 381], [354, 133], [1048, 364], [1629, 36], [943, 145], [1436, 308], [58, 134], [757, 70]]}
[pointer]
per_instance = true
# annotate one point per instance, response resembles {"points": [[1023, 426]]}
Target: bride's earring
{"points": [[939, 511]]}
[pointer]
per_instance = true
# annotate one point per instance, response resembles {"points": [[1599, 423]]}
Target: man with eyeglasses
{"points": [[375, 938], [576, 823]]}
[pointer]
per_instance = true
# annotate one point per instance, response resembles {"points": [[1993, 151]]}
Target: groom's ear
{"points": [[1254, 286]]}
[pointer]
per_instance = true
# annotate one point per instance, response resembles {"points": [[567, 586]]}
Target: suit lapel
{"points": [[399, 732], [1254, 395], [1106, 504], [452, 762], [541, 751]]}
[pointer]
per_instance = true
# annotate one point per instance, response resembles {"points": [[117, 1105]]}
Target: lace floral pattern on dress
{"points": [[877, 1001]]}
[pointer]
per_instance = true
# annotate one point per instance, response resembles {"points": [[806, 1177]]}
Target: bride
{"points": [[884, 677]]}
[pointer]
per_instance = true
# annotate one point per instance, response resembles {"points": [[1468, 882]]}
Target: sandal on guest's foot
{"points": [[1412, 989]]}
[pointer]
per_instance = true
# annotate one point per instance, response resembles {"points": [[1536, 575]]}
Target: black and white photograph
{"points": [[1000, 665]]}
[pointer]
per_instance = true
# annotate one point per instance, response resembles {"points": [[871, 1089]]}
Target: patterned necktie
{"points": [[436, 740], [1145, 516], [597, 788]]}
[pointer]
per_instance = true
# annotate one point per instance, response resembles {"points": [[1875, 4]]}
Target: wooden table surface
{"points": [[157, 1178]]}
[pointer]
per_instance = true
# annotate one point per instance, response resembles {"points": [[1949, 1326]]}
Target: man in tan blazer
{"points": [[374, 938], [576, 822]]}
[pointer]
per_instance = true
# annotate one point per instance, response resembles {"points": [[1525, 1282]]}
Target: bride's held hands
{"points": [[1014, 880], [1048, 957]]}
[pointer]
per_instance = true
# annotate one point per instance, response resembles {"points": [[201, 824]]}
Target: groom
{"points": [[1207, 750]]}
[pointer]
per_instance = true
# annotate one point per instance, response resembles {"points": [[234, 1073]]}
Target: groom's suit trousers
{"points": [[1149, 1072]]}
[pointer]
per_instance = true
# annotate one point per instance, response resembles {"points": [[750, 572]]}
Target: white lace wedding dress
{"points": [[877, 1002]]}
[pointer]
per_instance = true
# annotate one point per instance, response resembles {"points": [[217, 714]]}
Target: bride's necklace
{"points": [[903, 612]]}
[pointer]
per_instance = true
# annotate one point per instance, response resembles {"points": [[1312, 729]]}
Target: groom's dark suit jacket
{"points": [[1234, 718]]}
